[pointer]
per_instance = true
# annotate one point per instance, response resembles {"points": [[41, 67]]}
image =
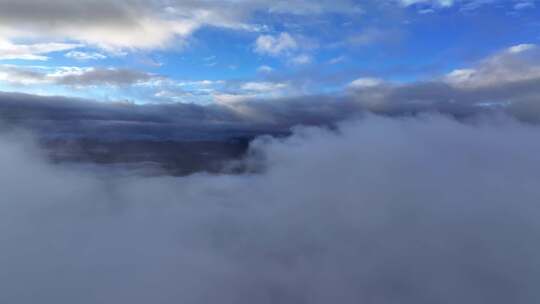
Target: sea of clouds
{"points": [[378, 210]]}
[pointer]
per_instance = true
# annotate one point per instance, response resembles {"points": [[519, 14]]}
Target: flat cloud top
{"points": [[433, 211]]}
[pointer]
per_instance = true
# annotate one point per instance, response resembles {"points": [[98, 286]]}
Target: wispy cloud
{"points": [[37, 51], [78, 55], [281, 44]]}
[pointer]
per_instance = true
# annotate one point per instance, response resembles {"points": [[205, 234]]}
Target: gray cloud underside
{"points": [[66, 117], [100, 76], [97, 76], [92, 11], [415, 211]]}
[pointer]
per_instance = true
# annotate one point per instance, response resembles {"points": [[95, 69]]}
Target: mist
{"points": [[377, 210]]}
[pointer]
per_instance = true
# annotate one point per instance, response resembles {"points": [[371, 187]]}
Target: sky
{"points": [[226, 52]]}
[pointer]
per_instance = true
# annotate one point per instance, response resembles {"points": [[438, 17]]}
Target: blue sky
{"points": [[225, 51]]}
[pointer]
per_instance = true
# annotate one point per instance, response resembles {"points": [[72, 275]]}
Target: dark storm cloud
{"points": [[385, 210]]}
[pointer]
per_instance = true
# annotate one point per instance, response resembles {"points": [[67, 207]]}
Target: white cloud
{"points": [[38, 51], [442, 3], [365, 82], [77, 55], [510, 65], [233, 100], [281, 44], [301, 59], [263, 87], [464, 5], [265, 69], [520, 48], [238, 96], [460, 75], [293, 49]]}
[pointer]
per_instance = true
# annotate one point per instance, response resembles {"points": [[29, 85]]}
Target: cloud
{"points": [[301, 59], [281, 44], [422, 210], [337, 60], [15, 75], [104, 23], [463, 5], [137, 24], [526, 4], [292, 48], [520, 48], [75, 76], [77, 55], [506, 82], [62, 117], [38, 51], [263, 87], [123, 25], [237, 94], [103, 76], [265, 69], [365, 82], [515, 64], [441, 3], [372, 36]]}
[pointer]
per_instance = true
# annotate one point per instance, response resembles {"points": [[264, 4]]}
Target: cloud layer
{"points": [[383, 210], [507, 82], [113, 24]]}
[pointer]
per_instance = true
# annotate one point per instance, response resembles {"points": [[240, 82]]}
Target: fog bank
{"points": [[382, 210]]}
